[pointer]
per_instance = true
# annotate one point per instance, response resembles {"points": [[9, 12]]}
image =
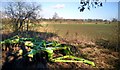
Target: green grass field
{"points": [[81, 32], [104, 57], [87, 32]]}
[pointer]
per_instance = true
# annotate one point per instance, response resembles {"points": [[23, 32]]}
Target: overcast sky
{"points": [[69, 9]]}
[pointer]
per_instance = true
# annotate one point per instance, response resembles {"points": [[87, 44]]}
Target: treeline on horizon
{"points": [[7, 20]]}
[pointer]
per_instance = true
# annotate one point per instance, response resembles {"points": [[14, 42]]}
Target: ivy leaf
{"points": [[82, 9], [81, 2], [95, 3], [101, 4], [78, 7], [88, 8]]}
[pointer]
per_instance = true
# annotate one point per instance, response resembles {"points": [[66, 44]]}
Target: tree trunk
{"points": [[27, 27], [28, 24]]}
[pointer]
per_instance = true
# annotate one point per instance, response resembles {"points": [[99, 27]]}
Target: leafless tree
{"points": [[55, 16], [19, 12]]}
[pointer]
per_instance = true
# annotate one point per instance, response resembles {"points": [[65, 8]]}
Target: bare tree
{"points": [[114, 20], [55, 16], [19, 12]]}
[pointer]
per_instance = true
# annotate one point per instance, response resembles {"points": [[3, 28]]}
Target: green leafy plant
{"points": [[50, 47]]}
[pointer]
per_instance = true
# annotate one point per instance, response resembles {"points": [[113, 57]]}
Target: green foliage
{"points": [[88, 3], [37, 46]]}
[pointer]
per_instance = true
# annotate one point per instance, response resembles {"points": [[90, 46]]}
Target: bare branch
{"points": [[20, 11]]}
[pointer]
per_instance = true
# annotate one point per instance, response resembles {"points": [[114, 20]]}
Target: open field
{"points": [[85, 32], [58, 35], [83, 36], [91, 31]]}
